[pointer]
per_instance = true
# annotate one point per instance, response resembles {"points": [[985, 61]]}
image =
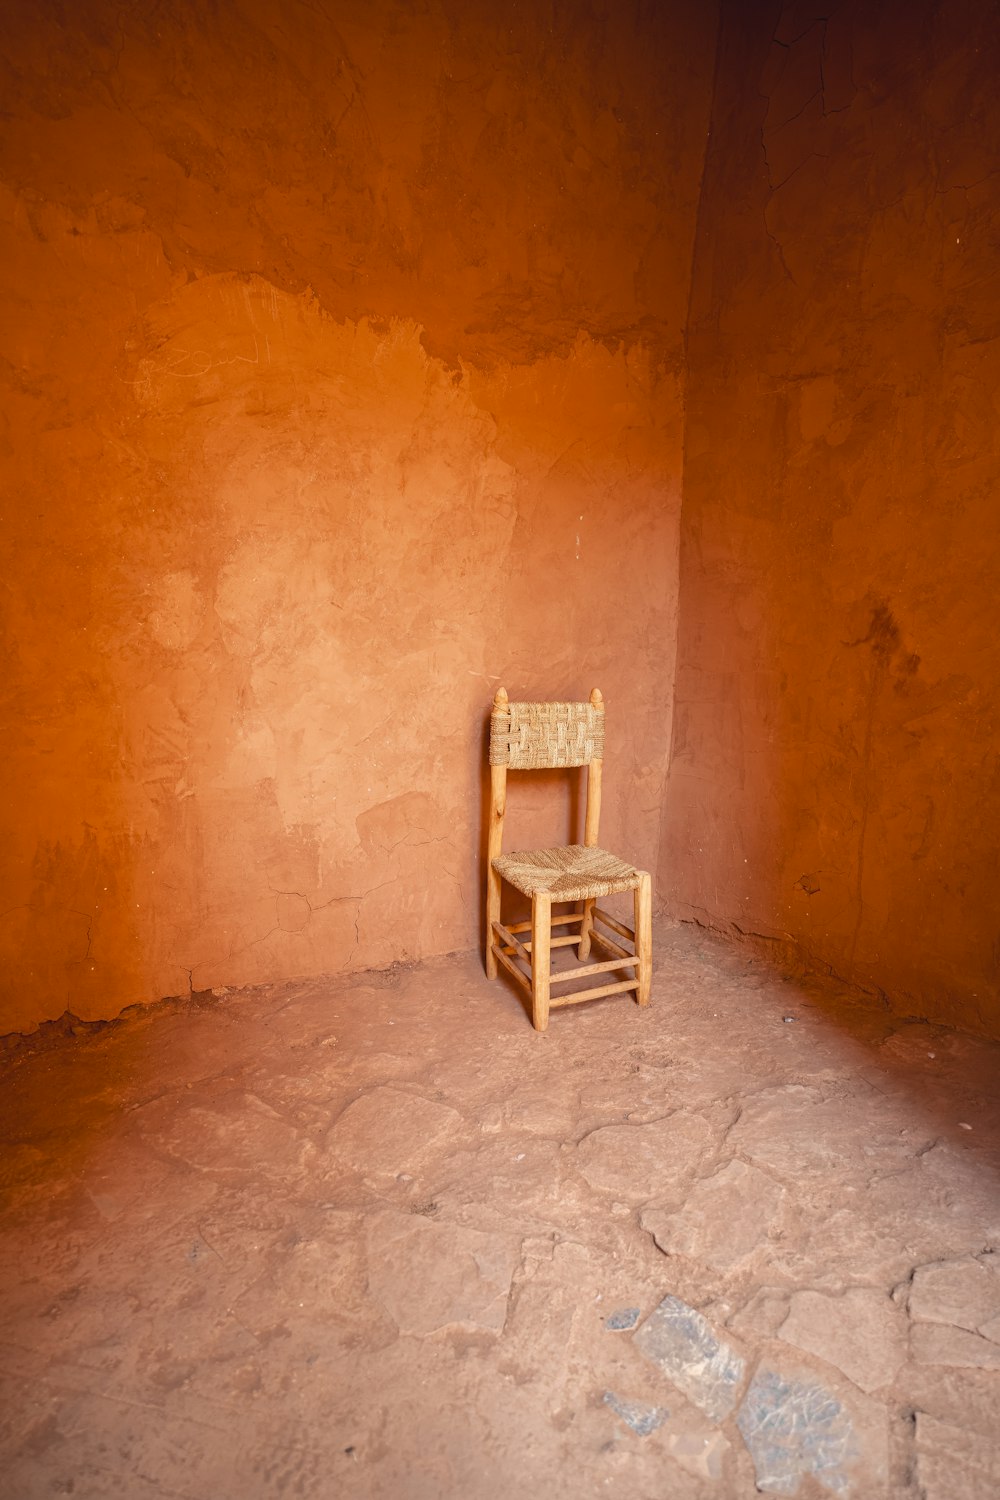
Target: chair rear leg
{"points": [[541, 952], [644, 936]]}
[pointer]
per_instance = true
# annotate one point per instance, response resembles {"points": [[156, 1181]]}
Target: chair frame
{"points": [[534, 971]]}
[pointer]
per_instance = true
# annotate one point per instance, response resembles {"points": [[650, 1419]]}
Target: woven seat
{"points": [[569, 873], [526, 737]]}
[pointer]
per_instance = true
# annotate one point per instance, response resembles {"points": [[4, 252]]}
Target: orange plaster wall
{"points": [[342, 380], [834, 785]]}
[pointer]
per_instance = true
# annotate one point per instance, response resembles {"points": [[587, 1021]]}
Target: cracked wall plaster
{"points": [[342, 363], [837, 656]]}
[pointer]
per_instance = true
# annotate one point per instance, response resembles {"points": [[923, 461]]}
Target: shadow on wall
{"points": [[835, 782], [72, 890]]}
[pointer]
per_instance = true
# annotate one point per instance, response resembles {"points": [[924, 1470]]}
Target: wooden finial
{"points": [[500, 698], [596, 698]]}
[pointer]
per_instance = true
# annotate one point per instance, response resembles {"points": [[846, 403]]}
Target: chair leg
{"points": [[586, 928], [644, 936], [541, 950], [492, 915]]}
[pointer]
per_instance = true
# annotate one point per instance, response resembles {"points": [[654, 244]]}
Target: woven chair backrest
{"points": [[532, 736]]}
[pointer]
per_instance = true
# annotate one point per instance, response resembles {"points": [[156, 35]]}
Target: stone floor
{"points": [[375, 1237]]}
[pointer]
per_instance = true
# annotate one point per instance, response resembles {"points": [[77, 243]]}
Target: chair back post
{"points": [[498, 787], [498, 808], [594, 772]]}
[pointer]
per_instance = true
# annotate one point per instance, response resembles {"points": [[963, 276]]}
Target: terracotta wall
{"points": [[342, 381], [835, 787]]}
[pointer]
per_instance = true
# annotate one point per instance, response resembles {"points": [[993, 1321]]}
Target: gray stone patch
{"points": [[679, 1340], [635, 1414], [793, 1428], [621, 1321]]}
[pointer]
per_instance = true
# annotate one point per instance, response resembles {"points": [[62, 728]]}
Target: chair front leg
{"points": [[541, 951], [586, 928], [644, 936], [492, 915]]}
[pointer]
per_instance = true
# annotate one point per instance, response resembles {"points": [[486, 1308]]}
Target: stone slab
{"points": [[797, 1133], [638, 1162], [700, 1453], [429, 1275], [861, 1332], [963, 1292], [684, 1346], [387, 1132], [952, 1461], [724, 1219], [941, 1344], [235, 1133], [796, 1424]]}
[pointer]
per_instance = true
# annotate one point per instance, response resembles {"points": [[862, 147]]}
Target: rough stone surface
{"points": [[386, 1133], [952, 1461], [701, 1453], [236, 1134], [795, 1131], [963, 1292], [293, 1241], [641, 1161], [935, 1344], [464, 1274], [861, 1332], [707, 1369], [761, 1316], [724, 1219]]}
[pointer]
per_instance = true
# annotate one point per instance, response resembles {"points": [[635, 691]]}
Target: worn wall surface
{"points": [[342, 380], [834, 784]]}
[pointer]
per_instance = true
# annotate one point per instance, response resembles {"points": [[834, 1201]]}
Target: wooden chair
{"points": [[527, 736]]}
